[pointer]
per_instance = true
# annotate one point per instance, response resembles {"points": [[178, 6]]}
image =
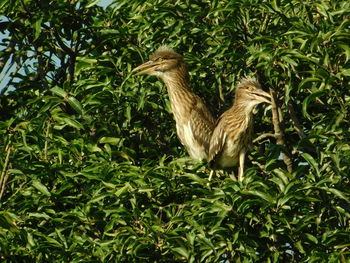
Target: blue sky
{"points": [[104, 3], [4, 78]]}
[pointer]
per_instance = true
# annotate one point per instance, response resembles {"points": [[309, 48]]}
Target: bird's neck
{"points": [[244, 107], [177, 78], [176, 81], [179, 92]]}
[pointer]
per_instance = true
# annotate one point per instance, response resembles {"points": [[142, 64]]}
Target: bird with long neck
{"points": [[194, 122], [232, 135]]}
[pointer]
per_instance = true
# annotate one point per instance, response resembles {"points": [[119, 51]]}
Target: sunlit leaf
{"points": [[59, 91], [42, 188], [75, 105]]}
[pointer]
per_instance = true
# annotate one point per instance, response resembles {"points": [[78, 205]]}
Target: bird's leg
{"points": [[241, 165]]}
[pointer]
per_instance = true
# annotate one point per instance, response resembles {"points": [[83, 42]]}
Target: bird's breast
{"points": [[195, 149], [237, 140], [230, 153]]}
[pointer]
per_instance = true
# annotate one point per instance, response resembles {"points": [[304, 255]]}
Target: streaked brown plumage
{"points": [[233, 132], [194, 122]]}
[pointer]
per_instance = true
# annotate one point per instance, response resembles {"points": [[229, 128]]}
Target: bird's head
{"points": [[249, 91], [163, 61]]}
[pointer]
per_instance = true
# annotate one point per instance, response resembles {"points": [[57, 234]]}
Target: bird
{"points": [[194, 122], [233, 132]]}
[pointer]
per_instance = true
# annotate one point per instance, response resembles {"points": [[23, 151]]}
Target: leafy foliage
{"points": [[92, 170]]}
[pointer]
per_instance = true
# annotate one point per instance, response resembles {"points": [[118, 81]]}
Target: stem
{"points": [[264, 136], [276, 120], [4, 174], [46, 142]]}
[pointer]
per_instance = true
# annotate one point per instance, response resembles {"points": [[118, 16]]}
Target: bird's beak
{"points": [[263, 96], [149, 67]]}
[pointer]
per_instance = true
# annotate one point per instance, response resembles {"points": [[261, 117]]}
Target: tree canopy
{"points": [[91, 169]]}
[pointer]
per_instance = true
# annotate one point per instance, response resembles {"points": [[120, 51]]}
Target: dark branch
{"points": [[276, 120], [66, 49]]}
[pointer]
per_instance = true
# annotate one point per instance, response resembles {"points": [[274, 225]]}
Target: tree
{"points": [[92, 170]]}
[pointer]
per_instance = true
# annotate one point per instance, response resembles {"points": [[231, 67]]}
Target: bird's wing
{"points": [[202, 123], [218, 139]]}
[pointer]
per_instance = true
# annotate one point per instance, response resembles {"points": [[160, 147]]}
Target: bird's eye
{"points": [[159, 59], [250, 88]]}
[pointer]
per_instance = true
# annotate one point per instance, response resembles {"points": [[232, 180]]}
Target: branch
{"points": [[43, 66], [4, 174], [264, 136], [66, 49], [261, 166], [276, 120], [71, 53], [46, 141]]}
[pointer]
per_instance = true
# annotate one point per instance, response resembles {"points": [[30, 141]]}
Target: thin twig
{"points": [[178, 212], [261, 166], [72, 53], [46, 140], [43, 65], [276, 120], [4, 174], [4, 183], [264, 136], [65, 48]]}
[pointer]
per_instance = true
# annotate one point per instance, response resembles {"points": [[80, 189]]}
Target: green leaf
{"points": [[181, 251], [337, 193], [262, 195], [92, 3], [308, 100], [39, 215], [75, 105], [196, 178], [123, 189], [345, 72], [37, 27], [6, 221], [42, 188], [15, 172], [110, 140], [312, 162], [60, 92], [311, 238], [73, 123], [346, 49], [307, 80]]}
